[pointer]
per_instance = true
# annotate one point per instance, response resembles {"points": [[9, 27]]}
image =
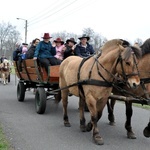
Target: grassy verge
{"points": [[144, 106], [4, 144], [12, 70]]}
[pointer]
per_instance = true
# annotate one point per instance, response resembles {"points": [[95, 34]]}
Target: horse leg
{"points": [[82, 117], [96, 136], [110, 108], [146, 131], [96, 109], [3, 78], [65, 105], [129, 112]]}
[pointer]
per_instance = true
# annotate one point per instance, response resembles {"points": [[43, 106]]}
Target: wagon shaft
{"points": [[131, 99]]}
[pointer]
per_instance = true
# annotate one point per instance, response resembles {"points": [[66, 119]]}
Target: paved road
{"points": [[28, 130]]}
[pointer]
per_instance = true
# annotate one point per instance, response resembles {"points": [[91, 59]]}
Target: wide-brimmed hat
{"points": [[59, 40], [84, 36], [71, 40], [46, 36]]}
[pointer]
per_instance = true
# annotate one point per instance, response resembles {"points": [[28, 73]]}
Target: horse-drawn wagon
{"points": [[91, 79], [33, 75]]}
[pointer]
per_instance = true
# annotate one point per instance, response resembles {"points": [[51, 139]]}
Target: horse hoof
{"points": [[83, 128], [67, 124], [146, 132], [131, 135], [89, 127], [112, 123], [98, 140]]}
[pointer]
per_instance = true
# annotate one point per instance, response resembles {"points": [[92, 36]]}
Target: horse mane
{"points": [[111, 43], [115, 42], [145, 47], [129, 51]]}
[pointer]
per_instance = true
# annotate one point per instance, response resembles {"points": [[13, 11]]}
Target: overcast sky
{"points": [[127, 19]]}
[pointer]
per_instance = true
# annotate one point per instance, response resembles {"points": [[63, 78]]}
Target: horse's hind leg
{"points": [[82, 118], [65, 105], [129, 111], [146, 131], [110, 108]]}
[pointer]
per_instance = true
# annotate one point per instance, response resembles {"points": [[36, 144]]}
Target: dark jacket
{"points": [[44, 50], [30, 52], [82, 51], [68, 52]]}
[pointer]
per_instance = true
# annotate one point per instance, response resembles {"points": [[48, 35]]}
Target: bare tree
{"points": [[8, 37], [96, 39]]}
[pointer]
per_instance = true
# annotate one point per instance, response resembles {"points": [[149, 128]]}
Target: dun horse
{"points": [[4, 71], [141, 91], [94, 77]]}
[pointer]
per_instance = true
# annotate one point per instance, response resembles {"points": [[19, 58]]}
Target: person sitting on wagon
{"points": [[45, 52], [59, 50], [84, 49], [30, 52], [24, 50], [2, 58], [69, 47]]}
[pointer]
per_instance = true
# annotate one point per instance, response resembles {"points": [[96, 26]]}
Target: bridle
{"points": [[124, 75]]}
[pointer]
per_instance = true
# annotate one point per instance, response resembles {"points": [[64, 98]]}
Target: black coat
{"points": [[30, 52], [84, 52], [68, 52]]}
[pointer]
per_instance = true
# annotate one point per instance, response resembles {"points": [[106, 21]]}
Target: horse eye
{"points": [[127, 63]]}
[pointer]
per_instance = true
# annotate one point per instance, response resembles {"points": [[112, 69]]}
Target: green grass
{"points": [[144, 106], [4, 144], [12, 70]]}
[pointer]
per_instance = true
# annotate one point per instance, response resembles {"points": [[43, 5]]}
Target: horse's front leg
{"points": [[110, 108], [129, 112], [82, 118], [95, 108], [65, 105]]}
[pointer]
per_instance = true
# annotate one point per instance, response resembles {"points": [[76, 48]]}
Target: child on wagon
{"points": [[59, 49]]}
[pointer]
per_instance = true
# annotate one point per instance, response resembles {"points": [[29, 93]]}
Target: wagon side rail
{"points": [[30, 70]]}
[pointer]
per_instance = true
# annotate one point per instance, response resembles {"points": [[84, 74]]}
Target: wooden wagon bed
{"points": [[31, 71], [33, 75]]}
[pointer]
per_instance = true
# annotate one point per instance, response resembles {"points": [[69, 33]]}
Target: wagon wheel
{"points": [[40, 100], [21, 91]]}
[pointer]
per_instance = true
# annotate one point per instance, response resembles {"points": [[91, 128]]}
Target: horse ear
{"points": [[121, 47]]}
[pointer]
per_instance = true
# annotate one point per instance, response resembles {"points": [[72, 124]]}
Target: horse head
{"points": [[127, 64], [5, 64], [125, 58]]}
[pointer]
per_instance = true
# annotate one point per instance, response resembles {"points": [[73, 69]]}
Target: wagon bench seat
{"points": [[31, 71]]}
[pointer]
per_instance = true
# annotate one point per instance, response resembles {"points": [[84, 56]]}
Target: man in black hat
{"points": [[84, 49], [69, 48]]}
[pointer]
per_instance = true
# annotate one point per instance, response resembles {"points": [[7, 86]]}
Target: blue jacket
{"points": [[82, 51], [44, 50]]}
